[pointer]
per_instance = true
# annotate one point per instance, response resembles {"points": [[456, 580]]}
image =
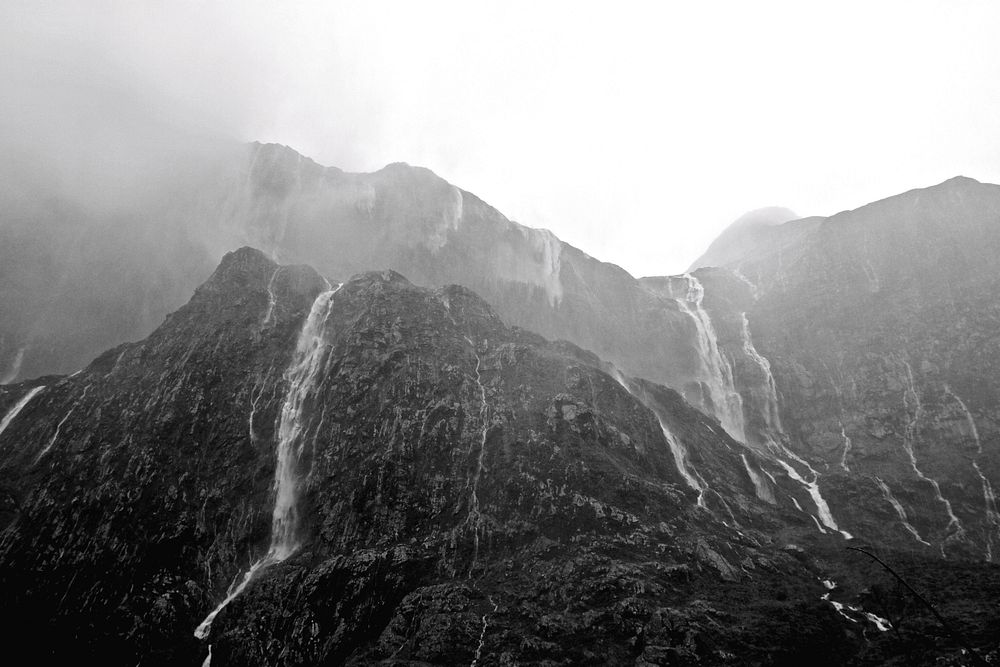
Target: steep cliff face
{"points": [[376, 472], [880, 327]]}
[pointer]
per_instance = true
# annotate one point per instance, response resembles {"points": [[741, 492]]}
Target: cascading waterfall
{"points": [[716, 371], [989, 498], [677, 448], [55, 436], [475, 518], [825, 515], [271, 299], [772, 420], [482, 635], [754, 292], [911, 396], [882, 624], [764, 492], [771, 413], [14, 411], [847, 448], [900, 512], [307, 361]]}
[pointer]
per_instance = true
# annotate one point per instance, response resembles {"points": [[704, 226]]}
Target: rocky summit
{"points": [[293, 472]]}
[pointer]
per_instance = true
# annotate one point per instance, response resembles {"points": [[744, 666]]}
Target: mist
{"points": [[635, 135], [661, 125]]}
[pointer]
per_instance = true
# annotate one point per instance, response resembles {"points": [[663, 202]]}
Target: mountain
{"points": [[77, 281], [812, 344], [752, 230], [72, 295], [382, 473], [830, 382], [878, 325]]}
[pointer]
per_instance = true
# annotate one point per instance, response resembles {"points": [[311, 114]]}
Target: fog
{"points": [[636, 133]]}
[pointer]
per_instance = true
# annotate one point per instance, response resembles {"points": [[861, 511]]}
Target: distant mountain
{"points": [[750, 231]]}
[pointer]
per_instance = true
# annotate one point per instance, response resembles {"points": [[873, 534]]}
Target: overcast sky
{"points": [[635, 131]]}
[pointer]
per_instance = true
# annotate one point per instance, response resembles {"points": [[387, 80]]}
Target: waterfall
{"points": [[482, 634], [271, 299], [825, 515], [677, 448], [475, 517], [55, 436], [301, 375], [760, 486], [14, 411], [989, 498], [847, 448], [715, 370], [911, 396], [772, 422], [770, 412], [900, 512]]}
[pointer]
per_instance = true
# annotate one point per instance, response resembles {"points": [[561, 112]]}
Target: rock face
{"points": [[461, 492], [879, 326]]}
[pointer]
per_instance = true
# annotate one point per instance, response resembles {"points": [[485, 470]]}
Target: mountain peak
{"points": [[741, 233], [767, 216], [961, 180]]}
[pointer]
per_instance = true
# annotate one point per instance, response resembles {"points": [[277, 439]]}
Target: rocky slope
{"points": [[453, 490], [880, 327]]}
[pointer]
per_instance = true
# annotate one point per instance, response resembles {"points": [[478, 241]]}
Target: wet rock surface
{"points": [[468, 492]]}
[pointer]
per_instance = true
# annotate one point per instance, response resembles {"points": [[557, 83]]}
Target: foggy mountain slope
{"points": [[880, 328], [94, 252], [748, 232], [71, 296], [452, 487]]}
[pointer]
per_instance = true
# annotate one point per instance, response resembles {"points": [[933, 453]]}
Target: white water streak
{"points": [[910, 396], [753, 288], [475, 517], [764, 492], [15, 368], [882, 624], [716, 371], [989, 497], [825, 515], [900, 512], [14, 411], [254, 400], [301, 375], [482, 635], [55, 436], [271, 299], [772, 415], [874, 283], [847, 448], [677, 448]]}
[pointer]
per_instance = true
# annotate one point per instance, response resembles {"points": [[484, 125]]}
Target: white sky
{"points": [[635, 131]]}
